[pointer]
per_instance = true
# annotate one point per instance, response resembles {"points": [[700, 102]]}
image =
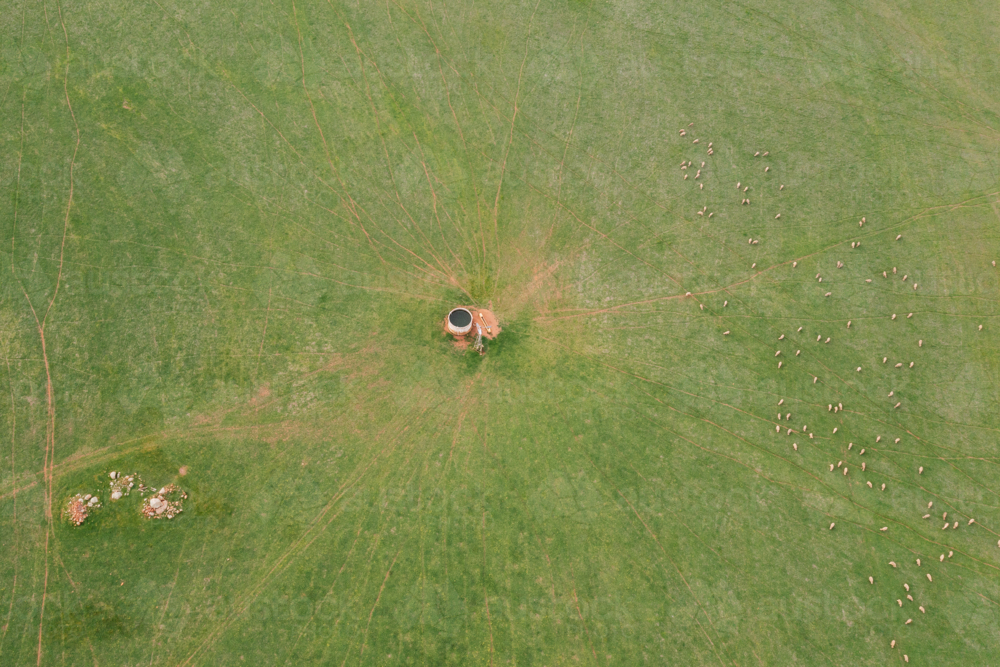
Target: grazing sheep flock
{"points": [[887, 463]]}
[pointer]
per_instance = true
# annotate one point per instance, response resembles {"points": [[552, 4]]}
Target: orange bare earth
{"points": [[481, 316]]}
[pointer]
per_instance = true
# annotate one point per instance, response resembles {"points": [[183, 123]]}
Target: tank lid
{"points": [[460, 317]]}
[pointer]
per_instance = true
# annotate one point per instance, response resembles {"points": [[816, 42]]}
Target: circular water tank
{"points": [[460, 321]]}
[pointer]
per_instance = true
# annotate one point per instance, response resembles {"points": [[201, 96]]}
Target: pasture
{"points": [[231, 233]]}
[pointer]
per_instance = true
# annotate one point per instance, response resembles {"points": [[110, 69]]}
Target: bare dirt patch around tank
{"points": [[486, 320]]}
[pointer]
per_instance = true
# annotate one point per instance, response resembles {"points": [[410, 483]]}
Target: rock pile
{"points": [[165, 503], [120, 486], [79, 506]]}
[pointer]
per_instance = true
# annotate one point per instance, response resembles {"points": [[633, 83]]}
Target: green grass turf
{"points": [[237, 228]]}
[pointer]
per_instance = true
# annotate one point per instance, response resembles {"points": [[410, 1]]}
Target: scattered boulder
{"points": [[78, 508]]}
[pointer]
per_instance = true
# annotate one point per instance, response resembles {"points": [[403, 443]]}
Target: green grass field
{"points": [[231, 232]]}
